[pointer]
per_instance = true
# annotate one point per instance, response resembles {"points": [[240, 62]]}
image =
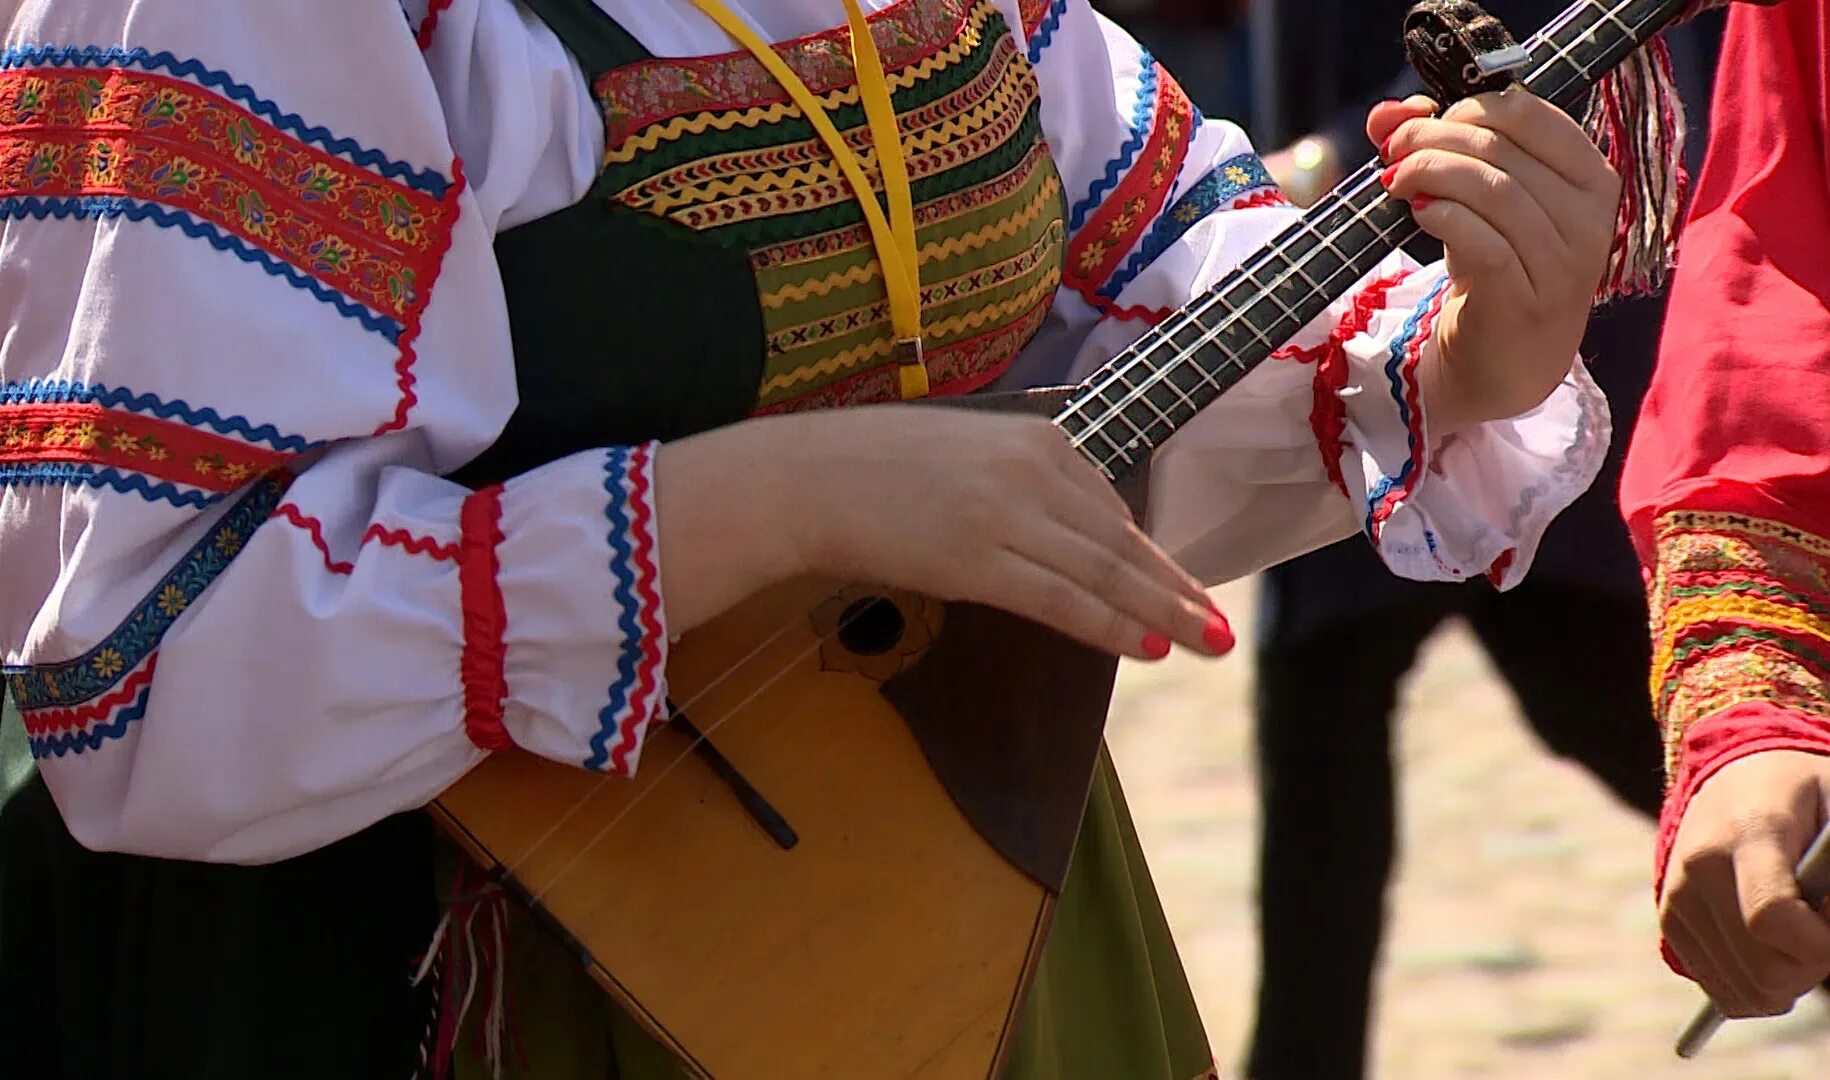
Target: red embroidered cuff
{"points": [[1741, 650]]}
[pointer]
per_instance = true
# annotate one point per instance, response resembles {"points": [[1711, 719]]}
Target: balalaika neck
{"points": [[1148, 392]]}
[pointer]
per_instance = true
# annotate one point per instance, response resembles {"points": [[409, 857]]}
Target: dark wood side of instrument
{"points": [[1010, 714]]}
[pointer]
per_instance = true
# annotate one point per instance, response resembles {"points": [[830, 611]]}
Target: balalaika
{"points": [[851, 872]]}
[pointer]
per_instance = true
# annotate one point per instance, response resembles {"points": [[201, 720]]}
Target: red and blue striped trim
{"points": [[92, 56], [1328, 412], [1401, 375], [62, 391], [122, 139], [636, 696], [1102, 243], [55, 733], [1143, 115], [66, 433], [1234, 180], [100, 670]]}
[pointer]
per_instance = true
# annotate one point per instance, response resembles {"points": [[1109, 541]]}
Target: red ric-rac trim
{"points": [[429, 28], [485, 621], [1328, 414], [1101, 246], [409, 335]]}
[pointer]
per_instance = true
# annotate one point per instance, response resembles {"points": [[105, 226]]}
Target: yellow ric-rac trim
{"points": [[927, 140], [882, 347], [951, 247], [894, 235], [1737, 607], [1742, 608], [654, 135]]}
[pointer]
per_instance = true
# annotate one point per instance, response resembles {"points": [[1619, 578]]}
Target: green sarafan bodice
{"points": [[721, 265]]}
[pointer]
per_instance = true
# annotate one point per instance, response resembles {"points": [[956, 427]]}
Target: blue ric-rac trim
{"points": [[1394, 376], [72, 474], [64, 392], [77, 742], [101, 669], [1225, 182], [622, 566], [118, 206], [1045, 30], [426, 180], [1140, 134]]}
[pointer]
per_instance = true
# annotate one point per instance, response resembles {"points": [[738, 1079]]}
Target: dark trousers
{"points": [[1576, 659]]}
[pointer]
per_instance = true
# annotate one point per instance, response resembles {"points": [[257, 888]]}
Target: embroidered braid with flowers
{"points": [[120, 142]]}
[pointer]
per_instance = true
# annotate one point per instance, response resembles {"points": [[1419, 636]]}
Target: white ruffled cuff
{"points": [[1476, 503]]}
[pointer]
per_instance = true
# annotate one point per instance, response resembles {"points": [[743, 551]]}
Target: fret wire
{"points": [[1119, 412], [1269, 292], [1177, 387], [1613, 15], [1382, 233], [1113, 443], [1300, 272], [1270, 346], [1144, 393]]}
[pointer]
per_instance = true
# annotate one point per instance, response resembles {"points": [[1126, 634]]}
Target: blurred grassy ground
{"points": [[1522, 942]]}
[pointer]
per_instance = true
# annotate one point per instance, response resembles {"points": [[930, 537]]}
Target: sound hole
{"points": [[871, 626]]}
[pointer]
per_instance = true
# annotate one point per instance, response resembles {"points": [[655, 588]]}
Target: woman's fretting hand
{"points": [[957, 504], [1525, 207]]}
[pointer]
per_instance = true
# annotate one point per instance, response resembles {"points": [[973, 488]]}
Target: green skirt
{"points": [[116, 966]]}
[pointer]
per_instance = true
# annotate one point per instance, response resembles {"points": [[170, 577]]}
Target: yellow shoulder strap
{"points": [[893, 236]]}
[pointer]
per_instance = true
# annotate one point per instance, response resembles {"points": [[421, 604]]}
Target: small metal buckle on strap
{"points": [[909, 352]]}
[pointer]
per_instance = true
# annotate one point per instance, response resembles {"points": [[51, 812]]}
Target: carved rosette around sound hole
{"points": [[875, 632]]}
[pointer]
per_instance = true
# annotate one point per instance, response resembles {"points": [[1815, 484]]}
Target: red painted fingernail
{"points": [[1156, 646], [1218, 636], [1386, 176], [1385, 148], [1421, 201]]}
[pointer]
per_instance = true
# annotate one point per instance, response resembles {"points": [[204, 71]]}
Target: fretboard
{"points": [[1147, 392]]}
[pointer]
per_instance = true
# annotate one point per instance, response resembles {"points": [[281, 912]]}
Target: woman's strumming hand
{"points": [[957, 504]]}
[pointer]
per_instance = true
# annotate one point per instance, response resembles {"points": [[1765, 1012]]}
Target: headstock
{"points": [[1444, 40]]}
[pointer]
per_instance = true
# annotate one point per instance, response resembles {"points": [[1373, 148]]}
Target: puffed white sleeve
{"points": [[252, 319], [1329, 437]]}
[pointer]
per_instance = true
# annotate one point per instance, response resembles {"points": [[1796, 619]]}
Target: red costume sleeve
{"points": [[1727, 484]]}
